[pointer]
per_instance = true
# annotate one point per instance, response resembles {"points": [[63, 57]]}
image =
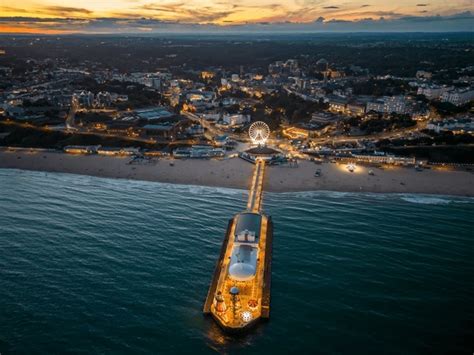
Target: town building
{"points": [[236, 119], [322, 65], [461, 125], [458, 97], [389, 104], [153, 113], [337, 104], [421, 74], [433, 92]]}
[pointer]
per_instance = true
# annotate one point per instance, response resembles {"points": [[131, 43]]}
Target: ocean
{"points": [[94, 265]]}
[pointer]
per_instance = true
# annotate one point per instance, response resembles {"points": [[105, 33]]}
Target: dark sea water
{"points": [[93, 265]]}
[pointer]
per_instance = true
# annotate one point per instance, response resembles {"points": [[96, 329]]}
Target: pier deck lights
{"points": [[246, 316]]}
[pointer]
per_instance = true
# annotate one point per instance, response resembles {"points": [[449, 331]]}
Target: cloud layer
{"points": [[143, 16]]}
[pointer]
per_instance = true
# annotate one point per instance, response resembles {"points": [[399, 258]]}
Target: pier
{"points": [[239, 293]]}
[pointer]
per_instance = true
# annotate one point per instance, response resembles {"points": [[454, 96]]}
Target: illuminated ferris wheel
{"points": [[259, 132]]}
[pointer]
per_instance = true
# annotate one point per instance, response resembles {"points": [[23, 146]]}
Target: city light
{"points": [[246, 316], [259, 132], [351, 167]]}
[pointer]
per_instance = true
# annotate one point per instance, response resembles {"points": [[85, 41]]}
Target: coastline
{"points": [[236, 173]]}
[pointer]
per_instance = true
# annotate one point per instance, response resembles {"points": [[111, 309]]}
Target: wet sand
{"points": [[236, 173]]}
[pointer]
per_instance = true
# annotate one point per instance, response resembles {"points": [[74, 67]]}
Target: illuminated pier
{"points": [[239, 294]]}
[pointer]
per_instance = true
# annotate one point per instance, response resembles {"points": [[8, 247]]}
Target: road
{"points": [[66, 130], [210, 132], [382, 135], [70, 122]]}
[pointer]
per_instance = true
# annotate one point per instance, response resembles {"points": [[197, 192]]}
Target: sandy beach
{"points": [[236, 173]]}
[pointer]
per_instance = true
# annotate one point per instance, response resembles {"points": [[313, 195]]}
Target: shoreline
{"points": [[236, 173]]}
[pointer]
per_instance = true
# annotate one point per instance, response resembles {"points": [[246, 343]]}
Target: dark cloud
{"points": [[181, 12], [65, 10], [269, 6], [163, 8], [299, 13], [309, 2], [389, 14], [12, 9], [330, 7], [365, 5], [338, 21], [320, 19], [35, 19], [422, 5], [467, 15]]}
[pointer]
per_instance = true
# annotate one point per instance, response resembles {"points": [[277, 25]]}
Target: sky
{"points": [[215, 16]]}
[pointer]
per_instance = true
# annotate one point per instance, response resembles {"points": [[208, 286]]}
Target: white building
{"points": [[235, 78], [103, 99], [396, 104], [389, 104], [421, 74], [460, 125], [84, 98], [377, 106], [458, 97], [209, 116], [433, 92], [236, 120], [196, 96]]}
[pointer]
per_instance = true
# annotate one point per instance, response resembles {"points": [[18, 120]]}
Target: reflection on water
{"points": [[221, 342]]}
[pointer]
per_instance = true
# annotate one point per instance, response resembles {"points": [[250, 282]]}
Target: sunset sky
{"points": [[144, 16]]}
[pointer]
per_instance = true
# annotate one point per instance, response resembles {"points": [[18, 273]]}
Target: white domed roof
{"points": [[241, 271], [243, 262]]}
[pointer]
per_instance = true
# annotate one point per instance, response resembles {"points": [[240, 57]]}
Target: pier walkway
{"points": [[256, 189]]}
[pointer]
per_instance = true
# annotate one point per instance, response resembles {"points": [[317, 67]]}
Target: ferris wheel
{"points": [[259, 132]]}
